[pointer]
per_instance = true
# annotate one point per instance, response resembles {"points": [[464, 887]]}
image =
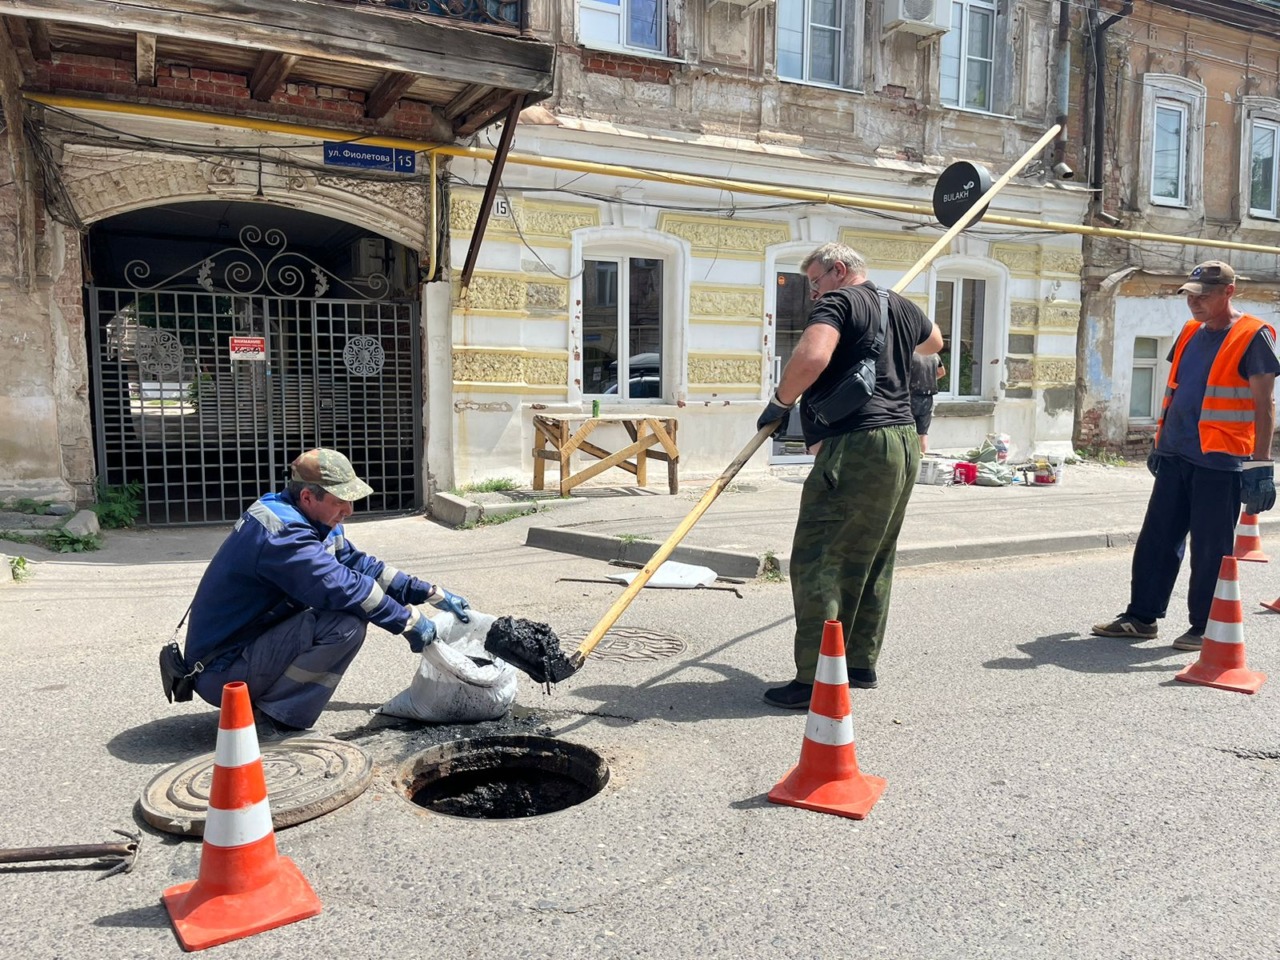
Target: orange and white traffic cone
{"points": [[1222, 664], [1249, 540], [244, 886], [827, 778]]}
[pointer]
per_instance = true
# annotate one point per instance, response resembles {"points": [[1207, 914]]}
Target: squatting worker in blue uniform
{"points": [[1212, 453], [855, 496], [298, 598]]}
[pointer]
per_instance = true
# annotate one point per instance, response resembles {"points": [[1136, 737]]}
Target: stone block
{"points": [[454, 511], [83, 524]]}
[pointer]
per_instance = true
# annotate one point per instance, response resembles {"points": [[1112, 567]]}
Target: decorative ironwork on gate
{"points": [[275, 271], [209, 382]]}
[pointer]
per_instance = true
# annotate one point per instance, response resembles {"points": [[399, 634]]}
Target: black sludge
{"points": [[529, 646]]}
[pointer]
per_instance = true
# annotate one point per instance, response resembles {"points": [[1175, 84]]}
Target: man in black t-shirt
{"points": [[856, 495]]}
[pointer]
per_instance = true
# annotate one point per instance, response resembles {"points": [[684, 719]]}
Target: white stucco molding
{"points": [[104, 183], [995, 334], [676, 253]]}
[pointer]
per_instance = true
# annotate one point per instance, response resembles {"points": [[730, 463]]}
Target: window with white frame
{"points": [[629, 25], [960, 313], [1264, 138], [967, 62], [1143, 404], [622, 327], [811, 40], [1169, 154]]}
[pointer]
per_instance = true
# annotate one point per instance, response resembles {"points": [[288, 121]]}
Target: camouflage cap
{"points": [[1211, 273], [332, 471]]}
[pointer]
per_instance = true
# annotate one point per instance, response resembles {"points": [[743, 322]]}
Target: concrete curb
{"points": [[736, 563], [455, 511], [599, 546]]}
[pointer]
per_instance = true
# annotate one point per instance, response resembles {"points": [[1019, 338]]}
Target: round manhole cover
{"points": [[503, 778], [306, 778], [630, 645]]}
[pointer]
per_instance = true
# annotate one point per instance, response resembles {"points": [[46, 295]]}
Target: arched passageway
{"points": [[226, 337]]}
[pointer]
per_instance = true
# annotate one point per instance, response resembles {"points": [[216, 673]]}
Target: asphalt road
{"points": [[1049, 795]]}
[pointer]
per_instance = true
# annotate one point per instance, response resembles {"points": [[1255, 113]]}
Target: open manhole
{"points": [[503, 778]]}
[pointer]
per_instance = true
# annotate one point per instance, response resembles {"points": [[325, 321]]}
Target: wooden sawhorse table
{"points": [[554, 430]]}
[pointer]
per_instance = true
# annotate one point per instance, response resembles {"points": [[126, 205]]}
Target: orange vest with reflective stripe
{"points": [[1227, 414]]}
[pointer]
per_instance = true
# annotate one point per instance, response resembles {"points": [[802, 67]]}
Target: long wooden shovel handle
{"points": [[663, 552]]}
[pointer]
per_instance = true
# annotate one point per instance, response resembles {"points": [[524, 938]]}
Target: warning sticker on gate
{"points": [[248, 348]]}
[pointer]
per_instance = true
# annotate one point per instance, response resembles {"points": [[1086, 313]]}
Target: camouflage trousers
{"points": [[846, 540]]}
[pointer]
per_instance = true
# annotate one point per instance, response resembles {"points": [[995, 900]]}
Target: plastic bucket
{"points": [[966, 472]]}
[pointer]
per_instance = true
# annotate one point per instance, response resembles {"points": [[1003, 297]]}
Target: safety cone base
{"points": [[1273, 605], [852, 798], [1255, 556], [1235, 679], [209, 921]]}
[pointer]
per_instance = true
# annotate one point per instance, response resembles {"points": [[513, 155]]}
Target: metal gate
{"points": [[208, 384]]}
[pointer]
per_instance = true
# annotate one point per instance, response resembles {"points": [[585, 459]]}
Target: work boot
{"points": [[791, 697], [271, 730], [1191, 640], [1126, 627], [862, 678]]}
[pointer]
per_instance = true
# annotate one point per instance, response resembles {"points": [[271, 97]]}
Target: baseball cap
{"points": [[332, 471], [1211, 273]]}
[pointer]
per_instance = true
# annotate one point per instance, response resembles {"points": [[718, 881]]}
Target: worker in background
{"points": [[286, 600], [1212, 453]]}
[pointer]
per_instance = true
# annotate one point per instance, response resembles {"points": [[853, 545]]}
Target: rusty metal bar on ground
{"points": [[120, 857]]}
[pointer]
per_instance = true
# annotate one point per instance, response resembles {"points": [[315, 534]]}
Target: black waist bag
{"points": [[179, 684], [851, 391]]}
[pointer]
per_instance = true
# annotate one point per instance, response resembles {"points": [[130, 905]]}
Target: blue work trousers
{"points": [[293, 668], [1185, 499]]}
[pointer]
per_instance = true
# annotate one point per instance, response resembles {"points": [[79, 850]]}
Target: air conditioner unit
{"points": [[925, 17], [368, 258]]}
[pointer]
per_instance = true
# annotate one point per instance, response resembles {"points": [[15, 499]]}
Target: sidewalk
{"points": [[1094, 507]]}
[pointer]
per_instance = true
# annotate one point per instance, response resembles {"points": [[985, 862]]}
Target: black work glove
{"points": [[1153, 461], [1258, 486], [774, 413]]}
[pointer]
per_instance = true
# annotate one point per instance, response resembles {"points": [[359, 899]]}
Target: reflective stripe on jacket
{"points": [[277, 563], [1227, 412]]}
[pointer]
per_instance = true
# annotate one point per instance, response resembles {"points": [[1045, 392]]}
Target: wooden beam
{"points": [[388, 91], [20, 162], [363, 35], [486, 204], [40, 40], [270, 72], [467, 98], [20, 43], [145, 56]]}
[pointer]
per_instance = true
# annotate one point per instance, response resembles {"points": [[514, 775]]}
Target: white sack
{"points": [[449, 686]]}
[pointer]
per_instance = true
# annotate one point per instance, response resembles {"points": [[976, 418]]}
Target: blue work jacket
{"points": [[277, 563]]}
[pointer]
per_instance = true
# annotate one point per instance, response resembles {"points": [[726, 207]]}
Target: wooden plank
{"points": [[548, 430], [583, 432], [468, 97], [673, 463], [562, 438], [145, 59], [311, 28], [388, 91], [20, 41], [600, 453], [539, 462], [605, 464], [668, 444], [270, 72], [642, 463]]}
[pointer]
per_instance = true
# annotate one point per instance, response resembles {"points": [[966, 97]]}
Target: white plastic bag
{"points": [[451, 687]]}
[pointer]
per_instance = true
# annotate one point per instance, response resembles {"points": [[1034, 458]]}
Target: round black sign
{"points": [[959, 187]]}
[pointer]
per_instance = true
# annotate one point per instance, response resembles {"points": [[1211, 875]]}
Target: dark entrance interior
{"points": [[792, 313], [226, 338]]}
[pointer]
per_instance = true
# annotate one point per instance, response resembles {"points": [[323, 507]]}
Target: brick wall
{"points": [[217, 91]]}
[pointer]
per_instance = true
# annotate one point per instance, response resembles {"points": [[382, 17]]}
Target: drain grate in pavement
{"points": [[630, 645], [1251, 754]]}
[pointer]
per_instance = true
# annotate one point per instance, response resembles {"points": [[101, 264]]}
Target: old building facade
{"points": [[1185, 143], [217, 232], [645, 250]]}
